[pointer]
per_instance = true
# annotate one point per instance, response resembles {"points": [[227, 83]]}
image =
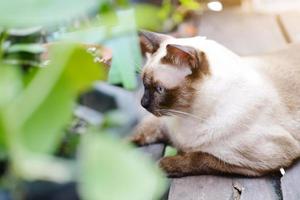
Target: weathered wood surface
{"points": [[290, 183], [201, 188], [224, 188], [291, 24], [243, 33], [257, 188]]}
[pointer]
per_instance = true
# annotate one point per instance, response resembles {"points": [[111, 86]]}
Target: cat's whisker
{"points": [[178, 112]]}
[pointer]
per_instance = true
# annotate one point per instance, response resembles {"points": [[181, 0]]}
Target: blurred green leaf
{"points": [[190, 4], [92, 35], [177, 17], [127, 59], [33, 123], [43, 131], [46, 104], [107, 18], [170, 151], [146, 11], [30, 74], [123, 63], [30, 48], [10, 88], [10, 83], [100, 28], [112, 170], [165, 10], [27, 13], [82, 70], [122, 2], [31, 167], [114, 118]]}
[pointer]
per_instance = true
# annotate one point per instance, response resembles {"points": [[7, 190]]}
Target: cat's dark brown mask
{"points": [[170, 73]]}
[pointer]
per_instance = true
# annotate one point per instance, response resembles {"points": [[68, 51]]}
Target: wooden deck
{"points": [[246, 34]]}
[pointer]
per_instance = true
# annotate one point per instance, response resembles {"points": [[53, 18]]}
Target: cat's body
{"points": [[244, 116], [244, 112]]}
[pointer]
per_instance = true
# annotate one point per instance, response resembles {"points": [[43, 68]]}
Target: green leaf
{"points": [[191, 4], [28, 13], [42, 84], [112, 170], [30, 48], [10, 87], [123, 62], [170, 151], [165, 10], [43, 131], [31, 167], [115, 118], [46, 105], [10, 83], [126, 59], [93, 35], [151, 13], [81, 70]]}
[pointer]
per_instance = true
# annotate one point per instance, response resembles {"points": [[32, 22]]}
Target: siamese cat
{"points": [[225, 114]]}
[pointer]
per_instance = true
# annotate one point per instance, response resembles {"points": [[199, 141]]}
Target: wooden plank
{"points": [[242, 32], [290, 22], [201, 188], [231, 2], [275, 6], [155, 151], [256, 188], [290, 183]]}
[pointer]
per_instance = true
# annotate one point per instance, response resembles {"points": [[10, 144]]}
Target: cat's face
{"points": [[170, 73]]}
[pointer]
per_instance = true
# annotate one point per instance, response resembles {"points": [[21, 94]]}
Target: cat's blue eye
{"points": [[160, 89]]}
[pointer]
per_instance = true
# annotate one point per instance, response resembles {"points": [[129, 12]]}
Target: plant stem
{"points": [[3, 36]]}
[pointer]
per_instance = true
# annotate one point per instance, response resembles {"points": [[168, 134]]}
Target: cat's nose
{"points": [[145, 102]]}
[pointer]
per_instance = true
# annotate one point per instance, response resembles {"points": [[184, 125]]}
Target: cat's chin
{"points": [[156, 113]]}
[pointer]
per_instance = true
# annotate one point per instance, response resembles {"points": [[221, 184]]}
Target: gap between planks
{"points": [[290, 22]]}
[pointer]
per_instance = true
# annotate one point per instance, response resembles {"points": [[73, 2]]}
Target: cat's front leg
{"points": [[150, 130], [198, 163]]}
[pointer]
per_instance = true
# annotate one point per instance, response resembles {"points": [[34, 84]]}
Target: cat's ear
{"points": [[186, 56], [151, 41]]}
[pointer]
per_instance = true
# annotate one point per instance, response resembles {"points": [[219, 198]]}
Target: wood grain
{"points": [[256, 188], [201, 188]]}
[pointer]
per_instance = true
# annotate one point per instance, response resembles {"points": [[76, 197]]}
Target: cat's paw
{"points": [[169, 166], [137, 139]]}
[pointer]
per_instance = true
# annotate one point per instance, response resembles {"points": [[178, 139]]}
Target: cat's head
{"points": [[173, 68]]}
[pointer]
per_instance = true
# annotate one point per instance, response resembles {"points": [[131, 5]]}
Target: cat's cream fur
{"points": [[245, 113]]}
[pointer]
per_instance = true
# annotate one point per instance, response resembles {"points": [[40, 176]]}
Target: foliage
{"points": [[173, 13], [170, 151], [126, 176], [146, 11], [123, 68], [37, 100], [30, 13]]}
